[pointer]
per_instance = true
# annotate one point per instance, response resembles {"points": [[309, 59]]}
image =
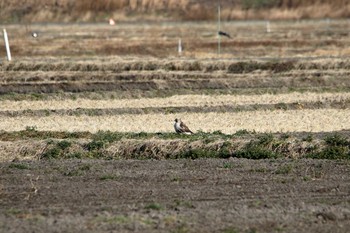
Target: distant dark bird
{"points": [[221, 33], [35, 34], [180, 127]]}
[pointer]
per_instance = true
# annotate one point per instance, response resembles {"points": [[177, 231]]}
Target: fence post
{"points": [[7, 45], [180, 47], [268, 27]]}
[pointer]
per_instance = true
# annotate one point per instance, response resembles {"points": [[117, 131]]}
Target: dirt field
{"points": [[234, 195], [250, 40], [87, 142]]}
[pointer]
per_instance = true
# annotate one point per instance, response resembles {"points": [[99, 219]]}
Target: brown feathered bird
{"points": [[180, 127]]}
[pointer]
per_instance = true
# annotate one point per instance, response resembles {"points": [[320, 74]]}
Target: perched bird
{"points": [[180, 127], [221, 33], [35, 34]]}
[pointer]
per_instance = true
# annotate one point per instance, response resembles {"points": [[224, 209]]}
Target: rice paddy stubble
{"points": [[173, 101], [321, 120]]}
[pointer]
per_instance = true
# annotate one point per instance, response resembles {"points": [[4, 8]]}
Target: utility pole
{"points": [[219, 28]]}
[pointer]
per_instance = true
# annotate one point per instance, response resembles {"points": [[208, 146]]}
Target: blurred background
{"points": [[15, 11], [257, 28]]}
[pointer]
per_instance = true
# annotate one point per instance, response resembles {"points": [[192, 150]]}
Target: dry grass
{"points": [[174, 101], [326, 120], [26, 150], [90, 10], [287, 39]]}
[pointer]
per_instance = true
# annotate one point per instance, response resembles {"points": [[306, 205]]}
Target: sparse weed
{"points": [[258, 149], [265, 139], [153, 206], [336, 140], [86, 167], [31, 128], [109, 177], [57, 150], [308, 138], [282, 106], [20, 166], [285, 136], [198, 153], [64, 144], [243, 132], [52, 153], [74, 172], [74, 155], [175, 179], [183, 203], [102, 138], [284, 169], [261, 169], [255, 152], [227, 165], [337, 147], [78, 171], [119, 219], [230, 230]]}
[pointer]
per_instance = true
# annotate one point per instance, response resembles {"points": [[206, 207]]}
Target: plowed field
{"points": [[87, 142]]}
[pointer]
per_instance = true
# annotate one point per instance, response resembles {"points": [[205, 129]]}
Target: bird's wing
{"points": [[224, 34], [184, 127]]}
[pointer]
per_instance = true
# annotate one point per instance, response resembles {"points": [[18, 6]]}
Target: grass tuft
{"points": [[153, 206], [20, 166]]}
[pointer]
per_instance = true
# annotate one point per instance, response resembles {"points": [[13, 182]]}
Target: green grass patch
{"points": [[109, 177], [20, 166], [250, 66], [154, 206], [336, 147], [56, 150], [78, 171], [227, 165], [118, 219], [284, 169]]}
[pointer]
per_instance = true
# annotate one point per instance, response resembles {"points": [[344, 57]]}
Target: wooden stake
{"points": [[180, 47], [7, 45]]}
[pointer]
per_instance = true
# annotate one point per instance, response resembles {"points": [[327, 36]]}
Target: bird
{"points": [[180, 127], [221, 33], [35, 34], [111, 22]]}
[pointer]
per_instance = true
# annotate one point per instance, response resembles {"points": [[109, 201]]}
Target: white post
{"points": [[7, 45], [219, 29], [180, 47], [268, 27]]}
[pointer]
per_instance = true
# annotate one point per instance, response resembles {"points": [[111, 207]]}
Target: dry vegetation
{"points": [[292, 39], [82, 94], [177, 101], [90, 10], [326, 120], [275, 92]]}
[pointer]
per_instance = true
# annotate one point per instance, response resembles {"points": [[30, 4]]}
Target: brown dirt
{"points": [[249, 39], [234, 195], [204, 195]]}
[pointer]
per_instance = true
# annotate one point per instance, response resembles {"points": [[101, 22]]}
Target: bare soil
{"points": [[206, 195], [202, 195]]}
